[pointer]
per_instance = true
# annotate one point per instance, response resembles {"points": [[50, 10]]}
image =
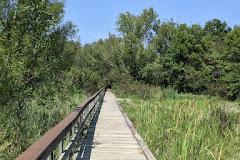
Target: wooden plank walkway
{"points": [[109, 135]]}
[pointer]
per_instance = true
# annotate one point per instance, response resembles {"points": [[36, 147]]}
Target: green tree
{"points": [[29, 34], [136, 31], [231, 68]]}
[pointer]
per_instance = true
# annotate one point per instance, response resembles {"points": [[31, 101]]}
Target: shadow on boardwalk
{"points": [[87, 143]]}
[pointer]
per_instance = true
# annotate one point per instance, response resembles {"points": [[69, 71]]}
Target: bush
{"points": [[123, 84]]}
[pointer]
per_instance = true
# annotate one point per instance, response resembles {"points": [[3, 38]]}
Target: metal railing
{"points": [[59, 142]]}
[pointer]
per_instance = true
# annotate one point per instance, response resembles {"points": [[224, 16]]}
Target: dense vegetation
{"points": [[184, 126], [36, 89], [192, 59], [44, 73]]}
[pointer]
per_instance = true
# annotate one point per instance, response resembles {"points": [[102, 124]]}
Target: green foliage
{"points": [[232, 64], [28, 38], [51, 103], [185, 126], [216, 27], [41, 69], [125, 85], [192, 59], [136, 30], [189, 58], [35, 94]]}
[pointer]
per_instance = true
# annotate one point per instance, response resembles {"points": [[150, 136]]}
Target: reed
{"points": [[40, 114], [186, 126]]}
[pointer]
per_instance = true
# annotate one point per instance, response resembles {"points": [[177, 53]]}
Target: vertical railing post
{"points": [[76, 125], [90, 106], [79, 120], [84, 113], [73, 130], [68, 137], [50, 157], [60, 147]]}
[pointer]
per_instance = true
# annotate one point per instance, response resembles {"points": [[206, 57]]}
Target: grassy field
{"points": [[186, 126]]}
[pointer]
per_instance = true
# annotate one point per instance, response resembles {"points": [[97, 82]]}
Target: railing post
{"points": [[83, 114], [73, 130], [60, 147], [76, 125], [68, 137], [90, 106], [50, 157], [79, 120]]}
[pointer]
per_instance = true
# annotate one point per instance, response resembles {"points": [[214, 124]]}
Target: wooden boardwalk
{"points": [[109, 135]]}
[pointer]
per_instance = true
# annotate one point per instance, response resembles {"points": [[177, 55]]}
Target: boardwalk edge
{"points": [[139, 139]]}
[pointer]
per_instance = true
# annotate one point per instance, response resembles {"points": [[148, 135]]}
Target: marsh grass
{"points": [[39, 114], [186, 126]]}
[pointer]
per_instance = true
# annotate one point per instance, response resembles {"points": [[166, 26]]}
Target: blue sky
{"points": [[96, 18]]}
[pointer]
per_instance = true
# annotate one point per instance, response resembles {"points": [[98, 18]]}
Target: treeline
{"points": [[41, 69], [192, 59]]}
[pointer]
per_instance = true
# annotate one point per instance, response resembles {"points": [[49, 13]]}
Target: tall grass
{"points": [[48, 106], [185, 126]]}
